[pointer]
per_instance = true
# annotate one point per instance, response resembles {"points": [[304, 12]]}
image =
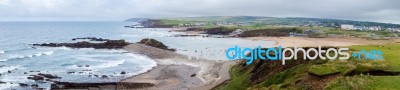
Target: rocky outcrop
{"points": [[154, 24], [41, 76], [155, 43], [219, 30], [49, 76], [108, 44], [91, 39]]}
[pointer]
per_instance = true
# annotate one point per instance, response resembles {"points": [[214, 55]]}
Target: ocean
{"points": [[19, 59]]}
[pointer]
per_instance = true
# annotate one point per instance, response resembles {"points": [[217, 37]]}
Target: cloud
{"points": [[365, 10]]}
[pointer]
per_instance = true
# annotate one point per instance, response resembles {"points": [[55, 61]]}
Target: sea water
{"points": [[19, 59]]}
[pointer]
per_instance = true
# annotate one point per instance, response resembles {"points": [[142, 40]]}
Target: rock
{"points": [[70, 72], [49, 76], [23, 84], [108, 44], [192, 75], [219, 30], [154, 43], [92, 39], [36, 77], [86, 65], [1, 82], [8, 71], [123, 72], [104, 76], [25, 72], [34, 85]]}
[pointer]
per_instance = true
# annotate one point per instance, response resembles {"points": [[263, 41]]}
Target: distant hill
{"points": [[282, 21], [136, 19]]}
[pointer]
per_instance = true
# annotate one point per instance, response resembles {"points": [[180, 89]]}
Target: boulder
{"points": [[123, 72]]}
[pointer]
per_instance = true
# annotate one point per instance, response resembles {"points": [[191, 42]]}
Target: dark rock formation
{"points": [[219, 30], [123, 72], [34, 85], [154, 43], [42, 76], [194, 29], [104, 76], [106, 85], [109, 44], [23, 84], [36, 77], [92, 39], [49, 76]]}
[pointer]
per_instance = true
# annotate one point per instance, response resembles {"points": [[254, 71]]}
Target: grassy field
{"points": [[257, 26]]}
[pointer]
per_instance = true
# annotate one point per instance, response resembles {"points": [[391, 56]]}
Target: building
{"points": [[347, 26]]}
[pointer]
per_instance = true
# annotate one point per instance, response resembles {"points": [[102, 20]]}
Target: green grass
{"points": [[239, 80], [391, 62], [175, 22], [365, 82], [350, 83], [390, 53], [384, 83], [331, 67]]}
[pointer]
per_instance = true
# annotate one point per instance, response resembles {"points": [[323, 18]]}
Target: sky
{"points": [[387, 11]]}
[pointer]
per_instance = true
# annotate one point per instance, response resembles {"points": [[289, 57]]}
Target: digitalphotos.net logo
{"points": [[251, 54]]}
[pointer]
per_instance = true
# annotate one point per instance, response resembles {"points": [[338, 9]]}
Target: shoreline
{"points": [[177, 71]]}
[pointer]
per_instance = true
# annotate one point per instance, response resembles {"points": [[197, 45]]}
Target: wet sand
{"points": [[176, 71]]}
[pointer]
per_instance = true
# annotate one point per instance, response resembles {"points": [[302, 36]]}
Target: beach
{"points": [[176, 71]]}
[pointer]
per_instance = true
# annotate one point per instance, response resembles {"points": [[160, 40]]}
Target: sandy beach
{"points": [[314, 42], [177, 72]]}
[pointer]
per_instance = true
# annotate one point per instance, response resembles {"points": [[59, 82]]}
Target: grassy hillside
{"points": [[322, 74]]}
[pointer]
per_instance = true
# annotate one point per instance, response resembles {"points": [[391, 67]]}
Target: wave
{"points": [[44, 53], [13, 57], [4, 69], [2, 52], [146, 62], [107, 64]]}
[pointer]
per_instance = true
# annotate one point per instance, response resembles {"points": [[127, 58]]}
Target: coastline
{"points": [[177, 71]]}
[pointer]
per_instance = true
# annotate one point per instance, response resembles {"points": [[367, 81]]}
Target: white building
{"points": [[347, 26]]}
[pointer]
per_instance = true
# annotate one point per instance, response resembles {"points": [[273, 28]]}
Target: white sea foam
{"points": [[48, 53], [43, 53], [142, 59], [27, 56], [108, 64], [7, 86], [7, 68], [2, 52]]}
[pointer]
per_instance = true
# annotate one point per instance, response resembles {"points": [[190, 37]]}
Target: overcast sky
{"points": [[364, 10]]}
